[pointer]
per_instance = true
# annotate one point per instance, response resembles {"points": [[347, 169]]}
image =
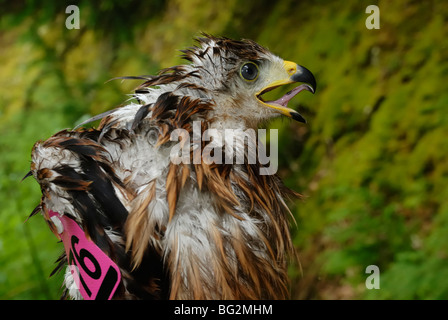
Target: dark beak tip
{"points": [[298, 117], [306, 76], [312, 88]]}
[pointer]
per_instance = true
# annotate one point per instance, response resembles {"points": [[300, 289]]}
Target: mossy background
{"points": [[371, 162]]}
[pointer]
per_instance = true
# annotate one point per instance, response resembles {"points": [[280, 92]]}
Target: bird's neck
{"points": [[230, 123]]}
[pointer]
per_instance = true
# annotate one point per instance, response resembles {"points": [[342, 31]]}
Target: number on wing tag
{"points": [[96, 275]]}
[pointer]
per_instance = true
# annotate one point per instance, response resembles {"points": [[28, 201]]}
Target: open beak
{"points": [[295, 73]]}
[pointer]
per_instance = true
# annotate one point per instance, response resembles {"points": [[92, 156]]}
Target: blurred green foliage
{"points": [[371, 163]]}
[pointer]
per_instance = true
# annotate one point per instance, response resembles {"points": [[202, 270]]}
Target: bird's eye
{"points": [[249, 71]]}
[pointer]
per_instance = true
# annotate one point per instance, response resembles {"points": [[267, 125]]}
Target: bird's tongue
{"points": [[283, 101]]}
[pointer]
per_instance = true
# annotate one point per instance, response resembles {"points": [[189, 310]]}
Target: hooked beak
{"points": [[295, 73]]}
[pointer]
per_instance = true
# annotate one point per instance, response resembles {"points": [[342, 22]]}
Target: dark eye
{"points": [[249, 71]]}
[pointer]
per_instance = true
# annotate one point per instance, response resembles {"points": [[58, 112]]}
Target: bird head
{"points": [[240, 73]]}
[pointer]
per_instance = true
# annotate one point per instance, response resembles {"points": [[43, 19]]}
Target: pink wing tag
{"points": [[96, 275]]}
